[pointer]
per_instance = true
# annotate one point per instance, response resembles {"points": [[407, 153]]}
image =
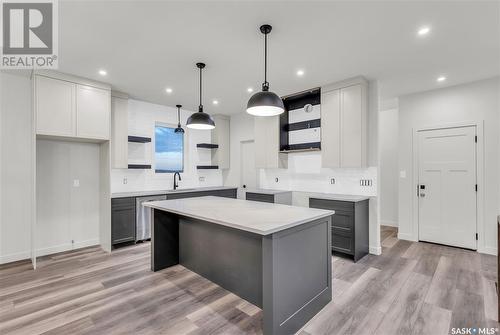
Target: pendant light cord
{"points": [[200, 108], [179, 116], [265, 85]]}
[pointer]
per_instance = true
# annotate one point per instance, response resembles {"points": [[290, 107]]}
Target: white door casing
{"points": [[447, 197]]}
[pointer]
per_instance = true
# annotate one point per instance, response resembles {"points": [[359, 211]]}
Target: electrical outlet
{"points": [[365, 182], [125, 181], [276, 180], [76, 183], [332, 181], [201, 179]]}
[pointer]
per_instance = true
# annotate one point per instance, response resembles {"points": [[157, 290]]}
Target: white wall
{"points": [[16, 173], [141, 122], [476, 102], [388, 137], [67, 215]]}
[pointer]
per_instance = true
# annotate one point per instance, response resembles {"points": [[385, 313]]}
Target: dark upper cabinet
{"points": [[122, 220], [349, 226]]}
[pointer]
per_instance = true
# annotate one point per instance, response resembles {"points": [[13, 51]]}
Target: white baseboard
{"points": [[66, 247], [488, 250], [19, 256], [389, 223], [408, 237], [375, 250]]}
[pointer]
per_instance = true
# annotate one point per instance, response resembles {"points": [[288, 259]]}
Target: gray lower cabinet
{"points": [[231, 193], [284, 198], [122, 220], [123, 224], [260, 197], [349, 226]]}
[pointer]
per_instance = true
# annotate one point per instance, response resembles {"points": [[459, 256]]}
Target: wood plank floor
{"points": [[412, 288]]}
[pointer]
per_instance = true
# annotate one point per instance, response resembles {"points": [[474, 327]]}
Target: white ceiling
{"points": [[148, 46]]}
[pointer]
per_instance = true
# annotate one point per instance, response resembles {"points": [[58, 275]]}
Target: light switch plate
{"points": [[402, 174], [76, 182]]}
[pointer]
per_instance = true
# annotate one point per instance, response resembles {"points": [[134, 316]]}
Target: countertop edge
{"points": [[236, 226]]}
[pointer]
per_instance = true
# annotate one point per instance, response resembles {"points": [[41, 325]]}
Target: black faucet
{"points": [[175, 180]]}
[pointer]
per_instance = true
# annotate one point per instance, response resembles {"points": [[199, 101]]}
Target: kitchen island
{"points": [[275, 256]]}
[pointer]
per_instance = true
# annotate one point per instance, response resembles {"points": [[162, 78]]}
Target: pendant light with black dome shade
{"points": [[200, 120], [265, 103], [179, 128]]}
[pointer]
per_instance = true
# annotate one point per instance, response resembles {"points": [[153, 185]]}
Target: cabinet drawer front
{"points": [[122, 202], [226, 193], [260, 197], [344, 220], [331, 204], [342, 241]]}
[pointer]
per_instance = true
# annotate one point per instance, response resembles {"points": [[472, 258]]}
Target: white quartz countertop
{"points": [[252, 216], [160, 192], [265, 191]]}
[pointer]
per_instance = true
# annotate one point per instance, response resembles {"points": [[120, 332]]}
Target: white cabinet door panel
{"points": [[93, 112], [351, 126], [55, 107], [119, 133], [330, 135]]}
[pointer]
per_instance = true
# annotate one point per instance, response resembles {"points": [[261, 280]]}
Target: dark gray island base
{"points": [[280, 265]]}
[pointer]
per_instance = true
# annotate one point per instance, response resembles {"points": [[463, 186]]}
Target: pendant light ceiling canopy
{"points": [[265, 103], [179, 128], [200, 120]]}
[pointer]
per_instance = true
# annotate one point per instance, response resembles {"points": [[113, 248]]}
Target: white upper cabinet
{"points": [[119, 132], [330, 136], [344, 124], [70, 108], [267, 143], [220, 136], [55, 107], [93, 112]]}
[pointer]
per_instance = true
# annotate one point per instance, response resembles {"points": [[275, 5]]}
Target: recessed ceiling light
{"points": [[168, 90], [300, 73], [215, 102], [249, 90], [440, 79], [103, 72], [423, 31]]}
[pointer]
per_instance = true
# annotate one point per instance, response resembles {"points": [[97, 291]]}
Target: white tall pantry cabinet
{"points": [[71, 134], [344, 124]]}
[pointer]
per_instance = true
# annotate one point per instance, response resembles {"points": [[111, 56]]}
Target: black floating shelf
{"points": [[207, 145], [139, 166], [302, 147], [207, 167], [139, 139], [316, 123]]}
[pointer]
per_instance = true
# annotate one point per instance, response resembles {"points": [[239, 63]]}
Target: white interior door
{"points": [[248, 172], [447, 186]]}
